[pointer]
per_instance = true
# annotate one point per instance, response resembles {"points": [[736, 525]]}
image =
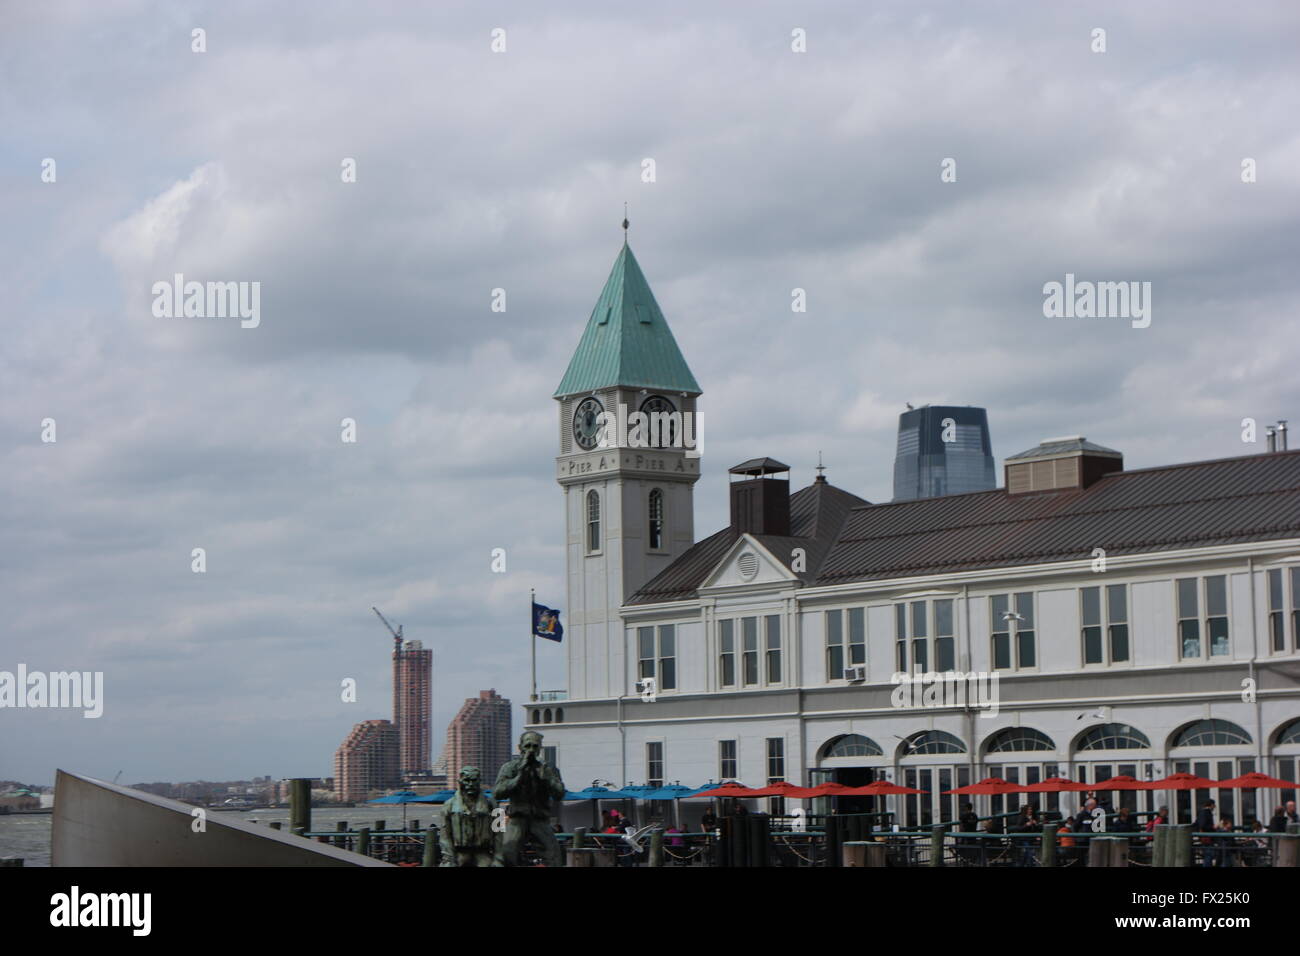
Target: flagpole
{"points": [[532, 627]]}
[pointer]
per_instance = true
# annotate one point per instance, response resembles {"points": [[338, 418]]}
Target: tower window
{"points": [[656, 510], [593, 522]]}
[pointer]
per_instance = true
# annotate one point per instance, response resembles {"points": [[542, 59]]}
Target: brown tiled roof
{"points": [[1232, 500], [1228, 501]]}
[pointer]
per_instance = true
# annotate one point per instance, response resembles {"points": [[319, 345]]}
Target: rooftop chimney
{"points": [[759, 504], [1272, 438], [1070, 461], [1281, 433]]}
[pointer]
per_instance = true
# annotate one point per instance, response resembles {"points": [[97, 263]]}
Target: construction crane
{"points": [[397, 634]]}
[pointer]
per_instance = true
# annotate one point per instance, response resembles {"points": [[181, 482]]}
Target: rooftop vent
{"points": [[1070, 461], [759, 504]]}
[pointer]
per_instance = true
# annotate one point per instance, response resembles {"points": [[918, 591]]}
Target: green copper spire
{"points": [[627, 340]]}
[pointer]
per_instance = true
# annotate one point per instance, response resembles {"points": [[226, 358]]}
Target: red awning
{"points": [[1180, 781], [1058, 785], [1122, 782], [1249, 781], [990, 785]]}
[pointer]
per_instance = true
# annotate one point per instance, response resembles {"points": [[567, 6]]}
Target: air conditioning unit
{"points": [[856, 674]]}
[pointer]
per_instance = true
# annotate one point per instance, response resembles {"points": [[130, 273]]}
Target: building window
{"points": [[727, 653], [1211, 733], [1215, 621], [1013, 630], [551, 756], [1277, 617], [658, 659], [654, 763], [932, 742], [749, 659], [656, 510], [1113, 737], [593, 522], [1114, 648], [838, 655], [920, 652], [913, 623], [834, 645], [727, 760], [773, 638], [775, 759], [1016, 739], [944, 656], [854, 745], [900, 638]]}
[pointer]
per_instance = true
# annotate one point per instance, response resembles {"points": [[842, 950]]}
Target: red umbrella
{"points": [[882, 788], [729, 790], [781, 789], [990, 785], [1058, 785], [1122, 782], [1255, 781], [1180, 781], [832, 790]]}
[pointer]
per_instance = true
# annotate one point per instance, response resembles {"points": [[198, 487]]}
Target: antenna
{"points": [[397, 634]]}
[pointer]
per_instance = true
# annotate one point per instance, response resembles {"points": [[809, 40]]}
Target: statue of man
{"points": [[467, 835], [531, 786]]}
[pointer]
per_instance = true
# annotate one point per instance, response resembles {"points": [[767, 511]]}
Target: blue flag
{"points": [[546, 622]]}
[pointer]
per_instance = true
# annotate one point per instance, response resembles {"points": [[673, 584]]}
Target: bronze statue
{"points": [[531, 786], [468, 837]]}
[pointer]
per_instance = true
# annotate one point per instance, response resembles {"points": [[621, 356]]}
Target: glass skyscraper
{"points": [[943, 450]]}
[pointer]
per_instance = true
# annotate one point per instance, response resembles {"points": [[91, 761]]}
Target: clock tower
{"points": [[628, 463]]}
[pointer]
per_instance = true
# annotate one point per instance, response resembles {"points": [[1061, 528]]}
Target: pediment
{"points": [[750, 565]]}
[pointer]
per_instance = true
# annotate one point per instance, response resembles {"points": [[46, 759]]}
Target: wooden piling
{"points": [[656, 848], [1047, 851], [363, 841], [300, 805], [1180, 853], [936, 844], [430, 847]]}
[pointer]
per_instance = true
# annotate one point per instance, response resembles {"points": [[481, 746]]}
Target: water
{"points": [[28, 835]]}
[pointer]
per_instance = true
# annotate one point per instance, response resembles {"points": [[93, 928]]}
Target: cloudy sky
{"points": [[477, 170]]}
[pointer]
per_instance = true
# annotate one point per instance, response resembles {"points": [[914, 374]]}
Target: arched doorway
{"points": [[1021, 755], [1217, 750], [852, 760], [932, 761], [1286, 759], [1114, 750]]}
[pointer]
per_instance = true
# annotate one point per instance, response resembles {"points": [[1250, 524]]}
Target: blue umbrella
{"points": [[597, 793]]}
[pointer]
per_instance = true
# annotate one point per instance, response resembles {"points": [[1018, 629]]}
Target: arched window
{"points": [[1013, 739], [932, 742], [656, 515], [593, 521], [537, 716], [1113, 737], [1290, 734], [559, 714], [1211, 733], [853, 745], [546, 716]]}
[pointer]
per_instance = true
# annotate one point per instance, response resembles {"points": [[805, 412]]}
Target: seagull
{"points": [[632, 836], [906, 743], [909, 405], [1098, 713], [1012, 616]]}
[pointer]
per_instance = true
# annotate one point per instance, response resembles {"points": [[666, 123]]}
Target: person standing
{"points": [[1205, 824]]}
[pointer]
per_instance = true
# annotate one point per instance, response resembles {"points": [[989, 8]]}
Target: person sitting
{"points": [[1279, 821]]}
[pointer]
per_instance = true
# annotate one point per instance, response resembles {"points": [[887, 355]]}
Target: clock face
{"points": [[586, 425], [665, 434]]}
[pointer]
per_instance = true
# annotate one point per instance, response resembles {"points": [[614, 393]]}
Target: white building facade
{"points": [[1124, 623]]}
